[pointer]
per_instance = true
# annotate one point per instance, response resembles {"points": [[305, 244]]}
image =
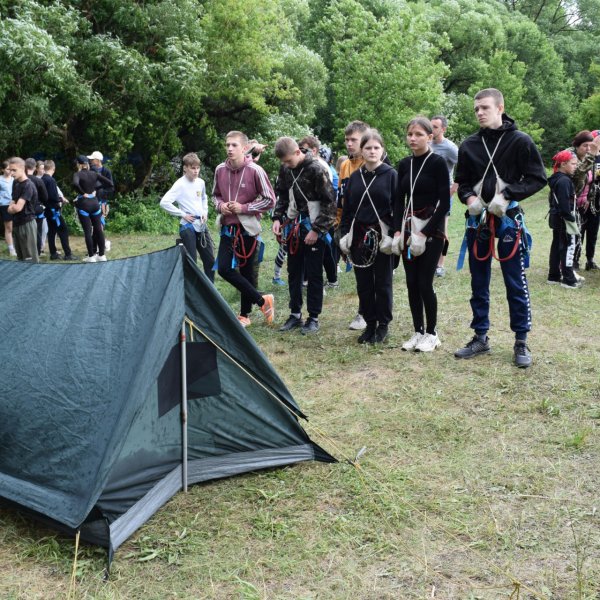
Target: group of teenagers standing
{"points": [[574, 209], [31, 205], [380, 213]]}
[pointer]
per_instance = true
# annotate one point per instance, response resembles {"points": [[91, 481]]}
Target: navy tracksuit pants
{"points": [[515, 281]]}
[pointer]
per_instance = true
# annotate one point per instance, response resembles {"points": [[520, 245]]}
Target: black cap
{"points": [[82, 159]]}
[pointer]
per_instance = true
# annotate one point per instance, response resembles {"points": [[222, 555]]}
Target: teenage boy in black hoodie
{"points": [[303, 215], [497, 167], [562, 221], [56, 222]]}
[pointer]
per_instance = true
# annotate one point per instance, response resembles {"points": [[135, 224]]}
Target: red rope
{"points": [[239, 247], [492, 244]]}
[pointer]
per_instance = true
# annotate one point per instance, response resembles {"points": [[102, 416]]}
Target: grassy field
{"points": [[479, 480]]}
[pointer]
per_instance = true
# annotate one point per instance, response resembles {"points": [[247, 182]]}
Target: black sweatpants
{"points": [[589, 234], [330, 260], [243, 278], [199, 243], [92, 225], [562, 253], [420, 272], [57, 225], [39, 223], [307, 263], [374, 288]]}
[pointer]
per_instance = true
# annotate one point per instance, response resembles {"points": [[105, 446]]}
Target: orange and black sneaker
{"points": [[268, 308]]}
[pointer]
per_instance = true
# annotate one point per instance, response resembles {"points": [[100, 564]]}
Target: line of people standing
{"points": [[381, 212]]}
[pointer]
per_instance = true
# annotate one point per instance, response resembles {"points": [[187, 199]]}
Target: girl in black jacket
{"points": [[422, 203], [369, 196], [562, 220]]}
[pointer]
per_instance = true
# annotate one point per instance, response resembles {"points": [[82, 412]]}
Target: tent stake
{"points": [[184, 433]]}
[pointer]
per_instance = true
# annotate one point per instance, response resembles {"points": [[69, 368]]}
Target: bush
{"points": [[134, 213]]}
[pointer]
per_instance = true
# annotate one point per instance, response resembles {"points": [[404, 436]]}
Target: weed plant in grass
{"points": [[476, 474]]}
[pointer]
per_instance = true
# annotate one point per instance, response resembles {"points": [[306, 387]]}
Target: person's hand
{"points": [[471, 199], [64, 201], [235, 207], [276, 227], [225, 210], [397, 234], [595, 147], [453, 189], [189, 218], [311, 237]]}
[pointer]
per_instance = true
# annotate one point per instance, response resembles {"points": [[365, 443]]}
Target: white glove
{"points": [[345, 243], [385, 246], [475, 208], [417, 244], [398, 244], [571, 228], [498, 205]]}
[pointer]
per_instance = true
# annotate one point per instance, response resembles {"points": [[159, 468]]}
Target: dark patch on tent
{"points": [[202, 375]]}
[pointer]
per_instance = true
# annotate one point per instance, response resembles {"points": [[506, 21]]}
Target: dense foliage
{"points": [[147, 81]]}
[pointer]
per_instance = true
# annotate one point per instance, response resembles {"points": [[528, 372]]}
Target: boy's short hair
{"points": [[355, 127], [30, 163], [490, 93], [311, 141], [442, 119], [191, 160], [16, 160], [285, 146], [238, 134], [49, 164]]}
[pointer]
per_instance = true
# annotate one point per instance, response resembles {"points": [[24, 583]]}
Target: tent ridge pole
{"points": [[184, 415]]}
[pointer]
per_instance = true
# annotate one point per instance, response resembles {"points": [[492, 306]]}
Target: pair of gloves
{"points": [[496, 207]]}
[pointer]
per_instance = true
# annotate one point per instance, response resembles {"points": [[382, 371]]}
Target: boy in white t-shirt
{"points": [[189, 193]]}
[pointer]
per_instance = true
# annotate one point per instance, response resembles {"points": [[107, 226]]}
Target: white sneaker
{"points": [[101, 258], [12, 251], [429, 342], [90, 259], [358, 323], [412, 343], [579, 277], [107, 245]]}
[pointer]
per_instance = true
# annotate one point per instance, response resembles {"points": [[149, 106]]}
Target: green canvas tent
{"points": [[96, 378]]}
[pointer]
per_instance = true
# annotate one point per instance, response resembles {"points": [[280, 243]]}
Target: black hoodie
{"points": [[382, 191], [517, 161], [562, 196]]}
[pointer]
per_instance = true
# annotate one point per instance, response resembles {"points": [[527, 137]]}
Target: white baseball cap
{"points": [[95, 155]]}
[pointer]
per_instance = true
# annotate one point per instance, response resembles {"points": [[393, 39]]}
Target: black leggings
{"points": [[92, 224], [419, 281]]}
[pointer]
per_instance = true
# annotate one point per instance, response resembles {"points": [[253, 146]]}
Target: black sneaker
{"points": [[310, 326], [55, 256], [381, 334], [70, 257], [474, 348], [292, 323], [522, 355], [590, 265], [368, 335]]}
